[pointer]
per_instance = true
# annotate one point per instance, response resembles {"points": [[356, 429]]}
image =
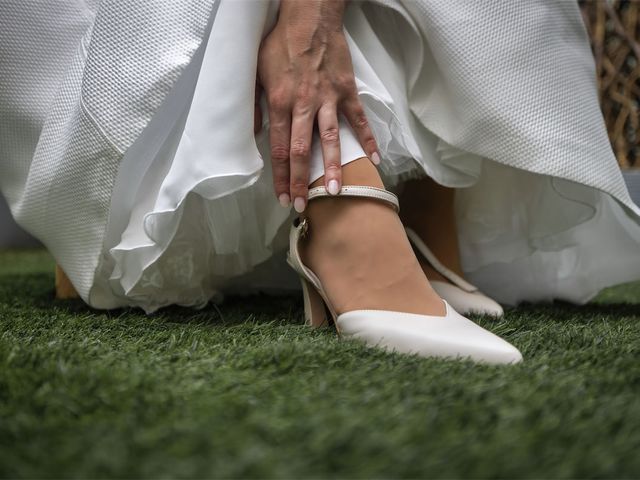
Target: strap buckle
{"points": [[304, 228]]}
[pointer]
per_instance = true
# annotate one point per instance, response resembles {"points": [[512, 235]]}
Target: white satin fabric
{"points": [[131, 153]]}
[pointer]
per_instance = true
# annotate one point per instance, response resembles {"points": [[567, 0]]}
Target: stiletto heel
{"points": [[448, 336], [315, 312]]}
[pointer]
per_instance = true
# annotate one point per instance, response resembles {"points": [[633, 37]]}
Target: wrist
{"points": [[312, 14]]}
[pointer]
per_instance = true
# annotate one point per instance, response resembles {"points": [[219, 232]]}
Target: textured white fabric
{"points": [[127, 146], [79, 81]]}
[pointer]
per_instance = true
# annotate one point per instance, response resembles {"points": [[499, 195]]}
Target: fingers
{"points": [[330, 142], [352, 109], [301, 135], [279, 136], [291, 135]]}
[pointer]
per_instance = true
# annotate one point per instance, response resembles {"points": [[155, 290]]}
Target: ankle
{"points": [[336, 222], [337, 217]]}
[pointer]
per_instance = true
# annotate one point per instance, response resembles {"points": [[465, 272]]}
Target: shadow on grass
{"points": [[36, 292], [591, 312]]}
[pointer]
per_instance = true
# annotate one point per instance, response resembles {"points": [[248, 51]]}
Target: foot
{"points": [[359, 251], [432, 274], [428, 209]]}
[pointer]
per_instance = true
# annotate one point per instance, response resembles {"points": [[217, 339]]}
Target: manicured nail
{"points": [[298, 204], [284, 200], [375, 158], [333, 188]]}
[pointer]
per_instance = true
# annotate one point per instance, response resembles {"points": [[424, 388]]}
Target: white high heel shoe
{"points": [[449, 336], [461, 295]]}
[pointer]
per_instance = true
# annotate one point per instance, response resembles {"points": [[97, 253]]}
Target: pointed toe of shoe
{"points": [[512, 356], [467, 302], [483, 305], [502, 354], [450, 336]]}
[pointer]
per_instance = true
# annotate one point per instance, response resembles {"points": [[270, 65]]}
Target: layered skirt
{"points": [[127, 144]]}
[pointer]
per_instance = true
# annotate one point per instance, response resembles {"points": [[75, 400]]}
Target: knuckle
{"points": [[370, 144], [303, 96], [333, 166], [306, 89], [305, 99], [360, 120], [330, 136], [279, 153], [281, 184], [299, 186], [303, 108], [278, 101], [299, 148], [345, 83]]}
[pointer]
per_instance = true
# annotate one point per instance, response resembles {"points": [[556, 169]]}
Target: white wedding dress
{"points": [[127, 145]]}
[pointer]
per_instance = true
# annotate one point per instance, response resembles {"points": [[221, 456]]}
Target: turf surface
{"points": [[250, 392]]}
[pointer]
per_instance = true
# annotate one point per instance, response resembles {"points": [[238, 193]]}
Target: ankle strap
{"points": [[358, 191]]}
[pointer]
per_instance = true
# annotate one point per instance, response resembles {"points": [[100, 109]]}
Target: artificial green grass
{"points": [[248, 391]]}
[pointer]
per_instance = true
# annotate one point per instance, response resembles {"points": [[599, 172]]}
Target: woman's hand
{"points": [[305, 68]]}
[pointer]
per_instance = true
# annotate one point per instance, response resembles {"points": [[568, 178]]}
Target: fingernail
{"points": [[375, 158], [298, 204], [284, 200], [333, 188]]}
